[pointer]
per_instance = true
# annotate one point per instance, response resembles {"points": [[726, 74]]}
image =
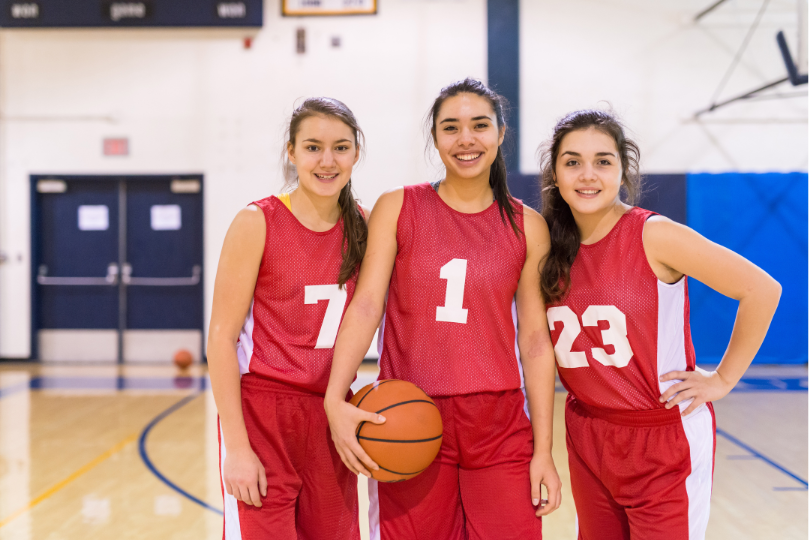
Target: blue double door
{"points": [[117, 267]]}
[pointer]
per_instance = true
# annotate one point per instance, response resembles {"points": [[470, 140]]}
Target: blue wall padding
{"points": [[763, 217]]}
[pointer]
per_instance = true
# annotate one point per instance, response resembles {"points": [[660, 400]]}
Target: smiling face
{"points": [[324, 153], [588, 171], [467, 136]]}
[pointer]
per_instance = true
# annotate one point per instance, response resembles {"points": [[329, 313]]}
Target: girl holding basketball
{"points": [[287, 270], [640, 424], [453, 257]]}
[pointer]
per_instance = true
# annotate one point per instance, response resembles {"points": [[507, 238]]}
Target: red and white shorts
{"points": [[310, 493], [478, 487], [640, 474]]}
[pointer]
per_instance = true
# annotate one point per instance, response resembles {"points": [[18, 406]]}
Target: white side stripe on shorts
{"points": [[698, 427], [373, 509], [233, 530]]}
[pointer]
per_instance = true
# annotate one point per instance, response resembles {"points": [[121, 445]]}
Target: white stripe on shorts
{"points": [[373, 509], [698, 427], [233, 530]]}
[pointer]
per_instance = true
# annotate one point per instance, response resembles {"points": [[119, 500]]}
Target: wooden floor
{"points": [[92, 452]]}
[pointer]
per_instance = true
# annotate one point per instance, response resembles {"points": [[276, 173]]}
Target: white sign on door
{"points": [[94, 217], [166, 217]]}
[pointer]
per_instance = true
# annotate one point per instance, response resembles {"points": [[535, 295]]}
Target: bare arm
{"points": [[357, 330], [239, 262], [538, 362], [674, 250]]}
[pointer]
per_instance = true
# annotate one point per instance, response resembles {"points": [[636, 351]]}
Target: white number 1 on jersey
{"points": [[334, 311], [452, 310]]}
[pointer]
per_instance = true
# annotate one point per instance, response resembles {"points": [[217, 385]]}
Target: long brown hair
{"points": [[498, 175], [555, 276], [355, 230]]}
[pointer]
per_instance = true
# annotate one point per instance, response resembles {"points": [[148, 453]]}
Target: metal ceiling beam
{"points": [[707, 10]]}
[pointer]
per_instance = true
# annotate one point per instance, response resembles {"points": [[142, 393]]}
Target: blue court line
{"points": [[107, 383], [11, 390], [148, 462], [764, 458], [782, 384]]}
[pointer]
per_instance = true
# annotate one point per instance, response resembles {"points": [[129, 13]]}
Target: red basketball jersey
{"points": [[289, 333], [620, 328], [448, 325]]}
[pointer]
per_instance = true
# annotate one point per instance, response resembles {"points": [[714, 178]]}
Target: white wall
{"points": [[657, 68], [195, 101]]}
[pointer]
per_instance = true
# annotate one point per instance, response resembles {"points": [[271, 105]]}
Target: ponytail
{"points": [[498, 180], [554, 280], [355, 235]]}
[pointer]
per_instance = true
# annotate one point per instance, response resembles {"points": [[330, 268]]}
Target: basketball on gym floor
{"points": [[183, 359], [409, 439]]}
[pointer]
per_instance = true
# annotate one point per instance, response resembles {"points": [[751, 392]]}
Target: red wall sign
{"points": [[116, 147]]}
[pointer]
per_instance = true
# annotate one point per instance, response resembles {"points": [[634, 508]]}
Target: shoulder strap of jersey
{"points": [[284, 198]]}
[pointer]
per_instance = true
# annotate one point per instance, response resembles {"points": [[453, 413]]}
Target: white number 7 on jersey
{"points": [[334, 311]]}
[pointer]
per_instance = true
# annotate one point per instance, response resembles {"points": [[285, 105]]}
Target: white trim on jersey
{"points": [[671, 332], [233, 530], [517, 345], [245, 349], [380, 337], [373, 509], [525, 404], [373, 485], [698, 427]]}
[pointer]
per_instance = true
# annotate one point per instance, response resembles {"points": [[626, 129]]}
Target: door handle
{"points": [[110, 279], [127, 279]]}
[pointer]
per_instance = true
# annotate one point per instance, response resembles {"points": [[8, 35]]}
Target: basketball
{"points": [[409, 439], [183, 359]]}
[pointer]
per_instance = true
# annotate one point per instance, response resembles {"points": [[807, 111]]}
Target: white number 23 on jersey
{"points": [[615, 335]]}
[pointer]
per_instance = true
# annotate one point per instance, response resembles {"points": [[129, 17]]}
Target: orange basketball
{"points": [[183, 359], [409, 439]]}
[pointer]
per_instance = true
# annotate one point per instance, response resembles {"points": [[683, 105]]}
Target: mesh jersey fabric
{"points": [[469, 264], [618, 302], [289, 332]]}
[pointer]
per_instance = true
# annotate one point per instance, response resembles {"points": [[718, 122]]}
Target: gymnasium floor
{"points": [[100, 452]]}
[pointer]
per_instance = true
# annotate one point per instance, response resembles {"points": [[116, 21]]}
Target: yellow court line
{"points": [[59, 485]]}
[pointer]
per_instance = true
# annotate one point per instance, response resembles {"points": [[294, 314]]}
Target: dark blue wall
{"points": [[504, 72], [666, 195]]}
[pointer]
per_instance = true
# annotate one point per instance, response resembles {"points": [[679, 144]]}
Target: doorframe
{"points": [[121, 180]]}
